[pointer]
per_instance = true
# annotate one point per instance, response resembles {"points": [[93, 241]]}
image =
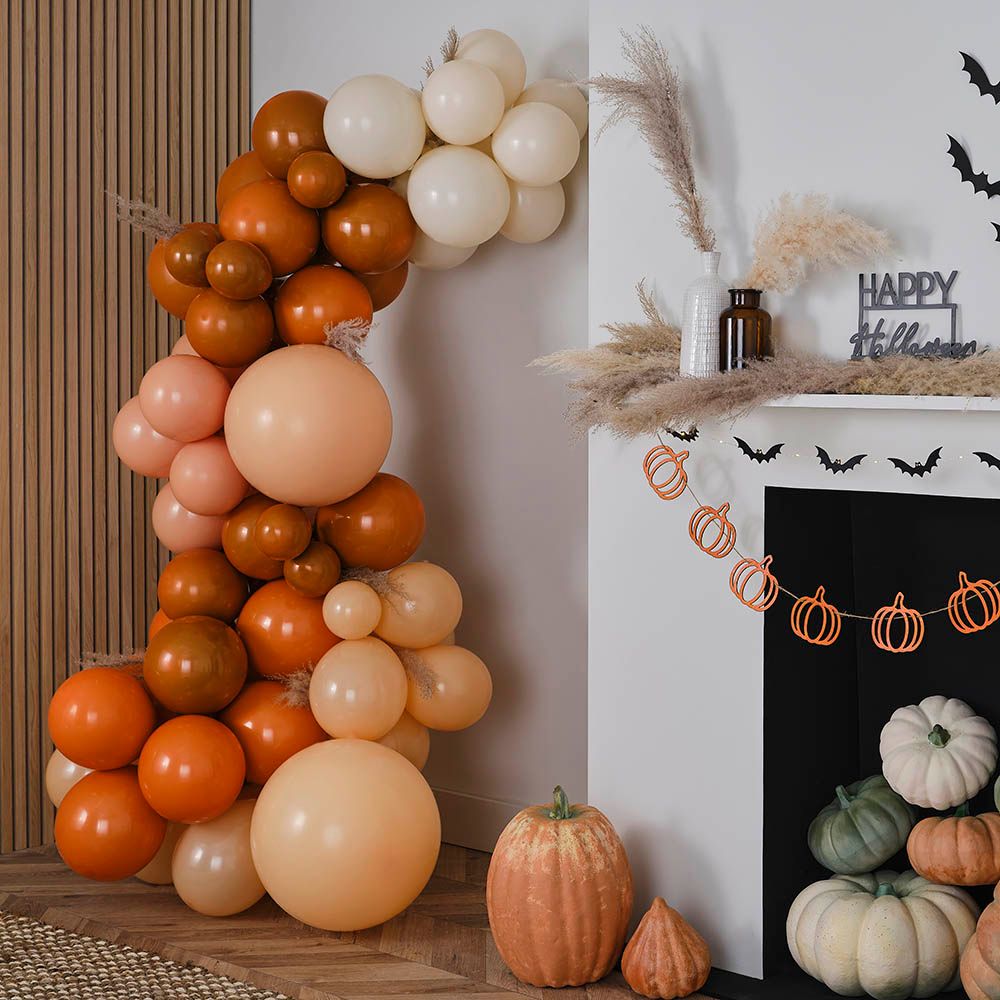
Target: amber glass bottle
{"points": [[744, 330]]}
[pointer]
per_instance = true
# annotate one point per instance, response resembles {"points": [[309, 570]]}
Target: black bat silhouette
{"points": [[996, 226], [987, 459], [980, 181], [756, 454], [979, 79], [921, 468], [688, 435], [834, 464]]}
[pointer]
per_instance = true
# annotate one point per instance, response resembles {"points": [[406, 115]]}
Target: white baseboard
{"points": [[471, 820]]}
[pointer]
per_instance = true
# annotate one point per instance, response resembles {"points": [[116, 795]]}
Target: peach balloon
{"points": [[180, 529], [204, 478], [183, 346], [138, 445], [451, 690], [422, 607], [358, 689], [345, 835], [411, 739], [61, 774], [184, 397], [157, 872], [308, 426], [352, 610], [212, 866]]}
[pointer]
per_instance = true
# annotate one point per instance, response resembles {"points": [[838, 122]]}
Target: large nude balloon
{"points": [[138, 445], [61, 774], [563, 94], [501, 54], [450, 688], [345, 835], [463, 101], [180, 529], [423, 605], [308, 426], [157, 872], [535, 212], [433, 256], [536, 144]]}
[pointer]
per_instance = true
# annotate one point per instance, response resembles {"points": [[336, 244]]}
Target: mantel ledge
{"points": [[871, 402]]}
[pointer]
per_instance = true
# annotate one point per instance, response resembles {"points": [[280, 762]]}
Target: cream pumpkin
{"points": [[890, 936]]}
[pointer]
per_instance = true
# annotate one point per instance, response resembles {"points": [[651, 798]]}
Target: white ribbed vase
{"points": [[704, 301]]}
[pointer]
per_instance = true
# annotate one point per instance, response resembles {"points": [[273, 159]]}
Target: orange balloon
{"points": [[229, 332], [283, 631], [239, 540], [288, 124], [238, 270], [385, 288], [370, 229], [201, 582], [159, 620], [269, 729], [166, 289], [245, 169], [410, 738], [105, 829], [191, 769], [195, 664], [283, 531], [451, 689], [315, 571], [316, 179], [380, 527], [187, 251], [265, 214], [318, 296], [100, 718]]}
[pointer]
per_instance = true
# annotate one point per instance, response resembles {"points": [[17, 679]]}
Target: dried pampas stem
{"points": [[378, 580], [144, 218], [126, 658], [416, 667], [296, 693], [448, 50], [348, 336]]}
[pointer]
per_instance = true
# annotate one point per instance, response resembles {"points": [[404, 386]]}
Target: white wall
{"points": [[479, 435]]}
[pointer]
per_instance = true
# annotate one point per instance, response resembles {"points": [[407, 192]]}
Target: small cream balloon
{"points": [[351, 610], [536, 144], [450, 688], [61, 774], [463, 102], [422, 607], [501, 54], [411, 739], [564, 94], [535, 212], [434, 256], [158, 871]]}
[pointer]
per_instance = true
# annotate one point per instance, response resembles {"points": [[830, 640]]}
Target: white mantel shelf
{"points": [[862, 402]]}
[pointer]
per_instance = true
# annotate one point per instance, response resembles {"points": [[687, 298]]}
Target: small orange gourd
{"points": [[666, 957], [957, 850]]}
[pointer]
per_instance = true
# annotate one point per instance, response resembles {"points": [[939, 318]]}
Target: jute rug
{"points": [[39, 962]]}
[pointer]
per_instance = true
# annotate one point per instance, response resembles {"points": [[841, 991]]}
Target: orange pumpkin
{"points": [[897, 628], [753, 583], [559, 894], [712, 531], [957, 850], [980, 967], [666, 957], [974, 606], [664, 470], [815, 620]]}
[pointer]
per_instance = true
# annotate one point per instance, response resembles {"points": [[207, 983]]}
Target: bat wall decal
{"points": [[835, 465], [921, 468], [987, 459], [979, 79], [980, 182], [756, 454], [996, 226], [689, 435]]}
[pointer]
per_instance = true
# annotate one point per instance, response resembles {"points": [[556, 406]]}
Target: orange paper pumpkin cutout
{"points": [[754, 584], [664, 470], [815, 620], [974, 606], [897, 628], [712, 531]]}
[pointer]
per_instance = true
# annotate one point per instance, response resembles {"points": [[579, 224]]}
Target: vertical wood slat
{"points": [[146, 99]]}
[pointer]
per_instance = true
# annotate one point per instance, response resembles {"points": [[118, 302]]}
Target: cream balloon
{"points": [[373, 124], [501, 54], [564, 94], [450, 690], [351, 610], [434, 256], [61, 774], [213, 868], [536, 144], [423, 605], [462, 101], [345, 835], [535, 212], [409, 738], [458, 196], [358, 689], [157, 872]]}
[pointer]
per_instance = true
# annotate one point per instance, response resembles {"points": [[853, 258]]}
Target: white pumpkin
{"points": [[890, 936], [938, 754]]}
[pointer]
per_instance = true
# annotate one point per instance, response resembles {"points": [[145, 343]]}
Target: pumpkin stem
{"points": [[962, 810], [843, 797], [560, 805], [938, 736], [885, 889]]}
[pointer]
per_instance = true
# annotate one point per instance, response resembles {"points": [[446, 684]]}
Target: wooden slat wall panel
{"points": [[147, 99]]}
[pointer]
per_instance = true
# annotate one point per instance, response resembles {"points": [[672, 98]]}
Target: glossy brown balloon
{"points": [[384, 288], [316, 179], [315, 298], [167, 290], [201, 582], [240, 544], [229, 332], [238, 270], [195, 664], [370, 229], [288, 124], [379, 527], [314, 572], [282, 531], [186, 252], [245, 169]]}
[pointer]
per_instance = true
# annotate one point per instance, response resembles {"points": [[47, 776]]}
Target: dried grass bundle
{"points": [[448, 50], [650, 97], [348, 337], [128, 658], [296, 693], [144, 217]]}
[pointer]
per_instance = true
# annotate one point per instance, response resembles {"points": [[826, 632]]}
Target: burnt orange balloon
{"points": [[269, 729], [195, 664], [315, 571], [159, 620], [283, 631], [245, 169], [229, 332], [288, 124], [238, 270], [166, 289], [316, 179], [379, 527], [318, 296], [105, 829], [265, 214], [282, 531], [384, 288], [239, 540], [370, 230], [191, 769], [187, 251], [201, 582], [100, 718]]}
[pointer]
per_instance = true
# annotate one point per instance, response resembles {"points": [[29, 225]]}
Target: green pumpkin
{"points": [[864, 826]]}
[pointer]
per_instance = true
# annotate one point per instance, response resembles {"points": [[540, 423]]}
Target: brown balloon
{"points": [[315, 572], [238, 270], [240, 544], [384, 288], [288, 124], [245, 169], [380, 527], [370, 229], [187, 251], [195, 665], [282, 531], [316, 179], [201, 582], [229, 332], [167, 290], [315, 298]]}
